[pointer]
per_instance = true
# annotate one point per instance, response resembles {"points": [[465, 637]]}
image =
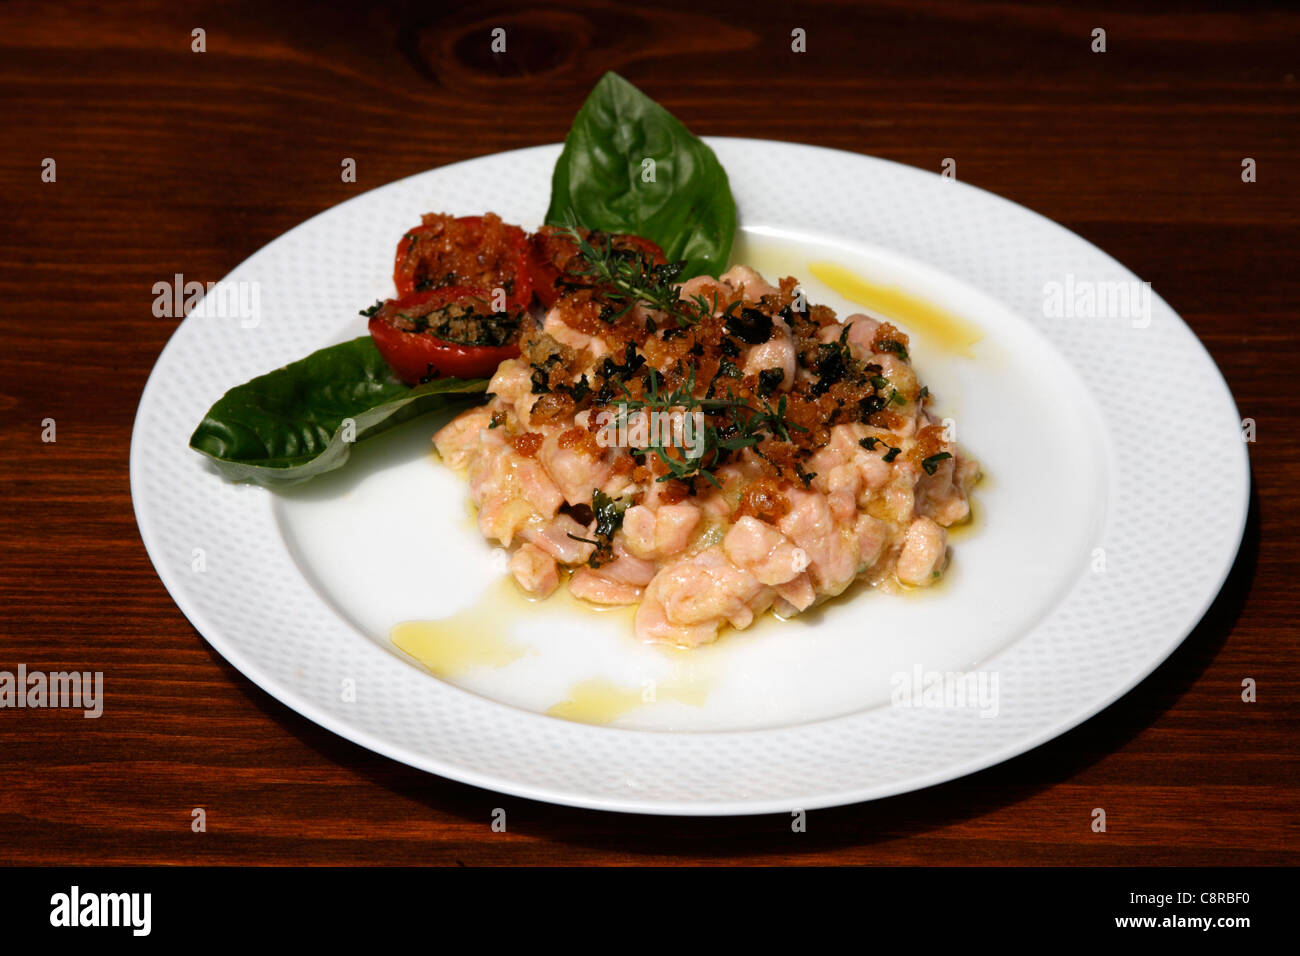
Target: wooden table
{"points": [[173, 161]]}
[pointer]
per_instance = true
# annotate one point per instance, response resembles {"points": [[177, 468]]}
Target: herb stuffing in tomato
{"points": [[448, 331], [557, 269], [478, 251]]}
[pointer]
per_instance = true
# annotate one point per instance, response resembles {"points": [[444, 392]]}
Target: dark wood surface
{"points": [[172, 161]]}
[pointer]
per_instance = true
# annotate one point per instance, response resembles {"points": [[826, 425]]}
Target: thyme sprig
{"points": [[626, 279], [742, 425]]}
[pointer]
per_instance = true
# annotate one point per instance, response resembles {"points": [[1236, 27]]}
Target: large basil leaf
{"points": [[286, 426], [599, 178]]}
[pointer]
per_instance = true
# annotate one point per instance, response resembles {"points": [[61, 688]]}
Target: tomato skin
{"points": [[471, 231], [647, 246], [416, 357], [548, 250], [552, 251]]}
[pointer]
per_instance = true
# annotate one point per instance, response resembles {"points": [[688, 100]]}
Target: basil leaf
{"points": [[687, 210], [286, 426]]}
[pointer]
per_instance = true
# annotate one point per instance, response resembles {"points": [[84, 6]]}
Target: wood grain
{"points": [[172, 161]]}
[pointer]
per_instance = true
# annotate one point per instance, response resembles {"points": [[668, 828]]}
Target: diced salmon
{"points": [[659, 532], [639, 530], [777, 352], [843, 506], [925, 548], [832, 555], [748, 283], [862, 334], [896, 502], [592, 586], [764, 552], [534, 570], [502, 517], [700, 563], [798, 594], [556, 538], [707, 287], [628, 568], [873, 469], [493, 486], [554, 326], [619, 582], [573, 469], [689, 600], [457, 441], [873, 536], [673, 528], [940, 497], [509, 489], [523, 409], [512, 381], [837, 464], [902, 379]]}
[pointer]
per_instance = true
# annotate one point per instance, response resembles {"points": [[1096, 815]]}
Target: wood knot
{"points": [[517, 47]]}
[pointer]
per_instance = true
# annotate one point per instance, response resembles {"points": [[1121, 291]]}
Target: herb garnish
{"points": [[627, 278], [579, 389], [739, 425], [892, 345], [750, 326], [871, 442], [769, 380], [931, 464], [609, 518]]}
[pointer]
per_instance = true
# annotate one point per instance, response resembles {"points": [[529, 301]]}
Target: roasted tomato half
{"points": [[554, 269], [448, 331], [478, 251]]}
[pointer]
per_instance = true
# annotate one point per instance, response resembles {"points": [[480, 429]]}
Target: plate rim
{"points": [[631, 803]]}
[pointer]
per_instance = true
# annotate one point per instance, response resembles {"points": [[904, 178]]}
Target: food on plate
{"points": [[477, 251], [653, 428], [448, 331], [628, 166], [554, 253], [707, 450], [302, 420]]}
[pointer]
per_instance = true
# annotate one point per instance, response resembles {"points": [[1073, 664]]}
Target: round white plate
{"points": [[1099, 541]]}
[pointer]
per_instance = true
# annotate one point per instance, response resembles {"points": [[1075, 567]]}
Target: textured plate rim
{"points": [[211, 631]]}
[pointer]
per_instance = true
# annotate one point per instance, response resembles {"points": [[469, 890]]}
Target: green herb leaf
{"points": [[891, 345], [608, 513], [931, 464], [871, 442], [600, 178], [287, 426]]}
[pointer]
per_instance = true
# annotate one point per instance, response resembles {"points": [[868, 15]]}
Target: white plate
{"points": [[1115, 502]]}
